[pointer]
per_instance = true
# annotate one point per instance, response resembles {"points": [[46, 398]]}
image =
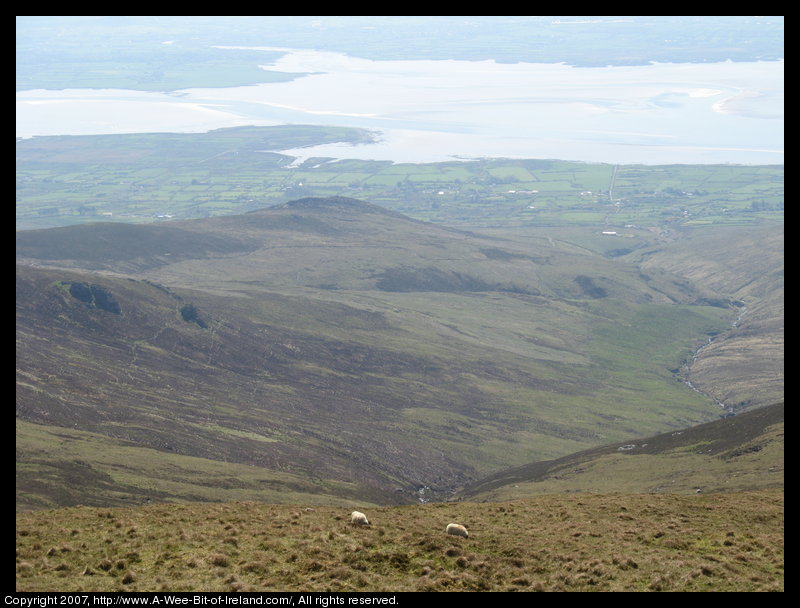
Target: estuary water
{"points": [[430, 111]]}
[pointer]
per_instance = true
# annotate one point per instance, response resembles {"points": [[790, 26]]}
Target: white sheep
{"points": [[356, 517], [457, 530]]}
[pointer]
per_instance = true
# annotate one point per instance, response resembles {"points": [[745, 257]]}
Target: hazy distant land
{"points": [[625, 100]]}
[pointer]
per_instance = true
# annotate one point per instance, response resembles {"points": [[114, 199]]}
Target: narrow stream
{"points": [[683, 374]]}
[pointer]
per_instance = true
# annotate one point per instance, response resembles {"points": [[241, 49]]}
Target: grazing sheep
{"points": [[457, 530], [356, 517]]}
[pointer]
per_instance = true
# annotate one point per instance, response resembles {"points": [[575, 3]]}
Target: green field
{"points": [[157, 177]]}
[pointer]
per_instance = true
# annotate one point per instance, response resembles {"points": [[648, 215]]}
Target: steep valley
{"points": [[329, 349]]}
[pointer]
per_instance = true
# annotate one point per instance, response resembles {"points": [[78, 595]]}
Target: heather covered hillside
{"points": [[341, 344]]}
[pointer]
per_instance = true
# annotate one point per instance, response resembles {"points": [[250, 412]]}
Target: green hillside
{"points": [[350, 348], [735, 454]]}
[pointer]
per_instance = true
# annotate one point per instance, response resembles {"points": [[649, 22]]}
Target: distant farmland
{"points": [[157, 177]]}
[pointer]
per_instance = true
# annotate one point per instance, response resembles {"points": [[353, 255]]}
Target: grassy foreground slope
{"points": [[580, 542]]}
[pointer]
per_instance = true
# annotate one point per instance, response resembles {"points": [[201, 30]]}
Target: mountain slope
{"points": [[747, 368], [346, 346], [341, 243], [738, 453]]}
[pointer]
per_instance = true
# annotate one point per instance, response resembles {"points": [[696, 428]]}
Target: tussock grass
{"points": [[579, 542]]}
